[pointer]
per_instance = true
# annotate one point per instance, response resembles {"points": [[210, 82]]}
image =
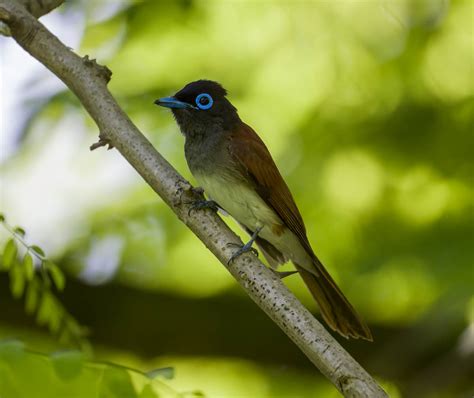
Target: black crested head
{"points": [[201, 107], [189, 92]]}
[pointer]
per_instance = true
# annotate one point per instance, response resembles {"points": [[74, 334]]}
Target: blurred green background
{"points": [[367, 107]]}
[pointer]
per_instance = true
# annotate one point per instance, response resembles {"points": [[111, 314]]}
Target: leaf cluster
{"points": [[26, 373], [36, 279]]}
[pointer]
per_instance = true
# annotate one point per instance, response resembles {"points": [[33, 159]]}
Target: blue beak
{"points": [[171, 102]]}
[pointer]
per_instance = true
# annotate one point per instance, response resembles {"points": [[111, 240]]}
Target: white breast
{"points": [[249, 209], [241, 202]]}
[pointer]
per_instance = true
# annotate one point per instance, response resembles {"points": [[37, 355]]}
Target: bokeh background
{"points": [[367, 107]]}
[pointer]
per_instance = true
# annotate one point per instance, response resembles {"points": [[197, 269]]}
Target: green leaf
{"points": [[74, 327], [28, 266], [20, 231], [32, 295], [44, 308], [64, 336], [116, 382], [56, 274], [54, 319], [38, 250], [11, 349], [9, 254], [67, 364], [11, 344], [2, 217], [148, 392], [17, 280], [167, 373]]}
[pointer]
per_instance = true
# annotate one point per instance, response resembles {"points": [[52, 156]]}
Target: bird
{"points": [[238, 174]]}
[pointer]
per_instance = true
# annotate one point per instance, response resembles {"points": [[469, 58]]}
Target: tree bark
{"points": [[88, 80]]}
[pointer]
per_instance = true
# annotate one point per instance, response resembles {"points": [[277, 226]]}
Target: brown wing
{"points": [[250, 152], [248, 149]]}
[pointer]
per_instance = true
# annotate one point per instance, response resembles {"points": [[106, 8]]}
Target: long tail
{"points": [[335, 308]]}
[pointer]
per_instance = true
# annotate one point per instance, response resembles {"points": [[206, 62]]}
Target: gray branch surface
{"points": [[88, 80], [38, 8]]}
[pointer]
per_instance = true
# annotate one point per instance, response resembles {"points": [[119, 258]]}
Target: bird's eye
{"points": [[204, 101]]}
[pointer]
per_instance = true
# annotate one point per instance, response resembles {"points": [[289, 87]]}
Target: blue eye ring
{"points": [[204, 96]]}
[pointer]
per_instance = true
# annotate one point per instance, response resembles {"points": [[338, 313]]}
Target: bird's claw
{"points": [[245, 248], [242, 249], [203, 204]]}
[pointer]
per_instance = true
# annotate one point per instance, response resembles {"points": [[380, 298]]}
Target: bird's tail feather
{"points": [[335, 308]]}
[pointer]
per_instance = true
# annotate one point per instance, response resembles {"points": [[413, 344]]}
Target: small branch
{"points": [[38, 8], [102, 142], [88, 81]]}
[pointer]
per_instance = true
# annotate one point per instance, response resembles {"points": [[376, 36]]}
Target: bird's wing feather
{"points": [[246, 147], [250, 152]]}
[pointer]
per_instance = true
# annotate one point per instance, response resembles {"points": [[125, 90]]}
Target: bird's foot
{"points": [[283, 274], [242, 249], [245, 248], [203, 204]]}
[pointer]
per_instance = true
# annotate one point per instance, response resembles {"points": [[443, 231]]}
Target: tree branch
{"points": [[38, 8], [88, 81]]}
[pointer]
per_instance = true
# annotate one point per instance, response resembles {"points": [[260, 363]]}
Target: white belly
{"points": [[249, 209], [242, 203]]}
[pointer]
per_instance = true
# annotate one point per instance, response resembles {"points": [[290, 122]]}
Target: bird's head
{"points": [[201, 105]]}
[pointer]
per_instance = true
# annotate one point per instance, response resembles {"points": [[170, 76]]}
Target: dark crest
{"points": [[189, 92]]}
